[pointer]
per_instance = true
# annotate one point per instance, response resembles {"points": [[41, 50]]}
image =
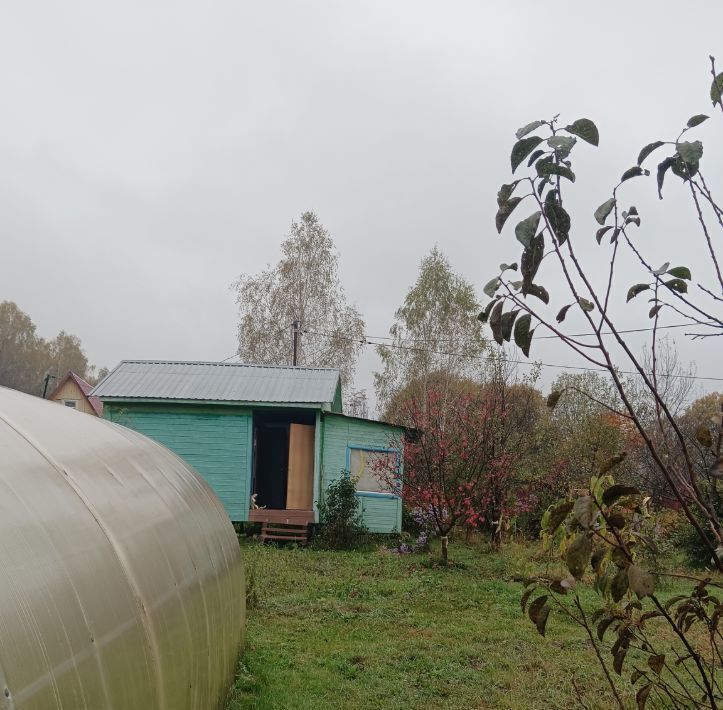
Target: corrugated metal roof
{"points": [[218, 382]]}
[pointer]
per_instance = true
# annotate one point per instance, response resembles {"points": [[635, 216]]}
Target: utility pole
{"points": [[46, 381], [295, 325]]}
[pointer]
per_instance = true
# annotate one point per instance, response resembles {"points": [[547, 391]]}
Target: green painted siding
{"points": [[381, 513], [215, 441]]}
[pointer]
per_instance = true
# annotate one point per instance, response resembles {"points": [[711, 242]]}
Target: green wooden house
{"points": [[267, 439]]}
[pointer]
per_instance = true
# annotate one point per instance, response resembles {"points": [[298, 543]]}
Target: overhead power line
{"points": [[368, 340], [541, 337]]}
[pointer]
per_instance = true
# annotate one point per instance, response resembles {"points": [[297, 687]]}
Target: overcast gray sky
{"points": [[152, 151]]}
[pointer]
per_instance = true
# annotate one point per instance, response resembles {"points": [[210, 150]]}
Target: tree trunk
{"points": [[444, 540]]}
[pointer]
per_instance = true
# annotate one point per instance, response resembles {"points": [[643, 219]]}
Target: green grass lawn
{"points": [[375, 630]]}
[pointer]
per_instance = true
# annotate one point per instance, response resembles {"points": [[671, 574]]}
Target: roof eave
{"points": [[214, 402]]}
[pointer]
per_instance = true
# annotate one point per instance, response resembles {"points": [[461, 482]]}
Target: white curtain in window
{"points": [[364, 467]]}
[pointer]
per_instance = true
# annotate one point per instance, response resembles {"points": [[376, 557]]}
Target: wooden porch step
{"points": [[286, 538], [285, 533], [281, 517], [297, 529]]}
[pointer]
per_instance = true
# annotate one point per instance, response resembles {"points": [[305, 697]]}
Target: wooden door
{"points": [[300, 481]]}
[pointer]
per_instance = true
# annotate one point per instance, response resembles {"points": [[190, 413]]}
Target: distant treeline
{"points": [[26, 359]]}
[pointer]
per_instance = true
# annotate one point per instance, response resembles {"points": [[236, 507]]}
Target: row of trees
{"points": [[435, 330], [491, 453], [27, 359]]}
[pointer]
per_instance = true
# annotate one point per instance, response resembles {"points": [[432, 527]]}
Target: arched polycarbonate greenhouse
{"points": [[121, 584]]}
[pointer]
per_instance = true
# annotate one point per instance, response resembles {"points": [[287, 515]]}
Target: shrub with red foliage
{"points": [[457, 462]]}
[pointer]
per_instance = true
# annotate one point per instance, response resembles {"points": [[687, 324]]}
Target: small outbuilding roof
{"points": [[219, 382], [84, 387]]}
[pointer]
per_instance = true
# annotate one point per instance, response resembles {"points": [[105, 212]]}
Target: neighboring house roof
{"points": [[84, 387], [219, 382]]}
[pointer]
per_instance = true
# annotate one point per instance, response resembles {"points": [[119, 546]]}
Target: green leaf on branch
{"points": [[484, 316], [662, 169], [545, 168], [620, 558], [640, 581], [680, 272], [558, 587], [522, 132], [537, 291], [603, 626], [677, 285], [696, 120], [562, 145], [562, 313], [538, 612], [635, 171], [505, 192], [619, 490], [645, 152], [504, 211], [523, 334], [656, 662], [619, 585], [619, 658], [583, 512], [641, 697], [654, 310], [584, 128], [690, 152], [601, 232], [505, 267], [558, 217], [578, 555], [522, 149], [495, 317], [556, 515], [526, 229], [633, 291], [491, 287], [716, 89], [602, 212], [531, 260], [506, 323], [586, 305], [534, 157]]}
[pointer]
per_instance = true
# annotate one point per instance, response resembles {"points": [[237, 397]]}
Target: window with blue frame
{"points": [[370, 467]]}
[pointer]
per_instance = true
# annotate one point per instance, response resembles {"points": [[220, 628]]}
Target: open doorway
{"points": [[283, 464]]}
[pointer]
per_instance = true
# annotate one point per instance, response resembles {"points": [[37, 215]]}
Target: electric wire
{"points": [[366, 340]]}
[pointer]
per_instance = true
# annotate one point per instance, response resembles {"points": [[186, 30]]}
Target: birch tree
{"points": [[435, 336], [305, 286]]}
